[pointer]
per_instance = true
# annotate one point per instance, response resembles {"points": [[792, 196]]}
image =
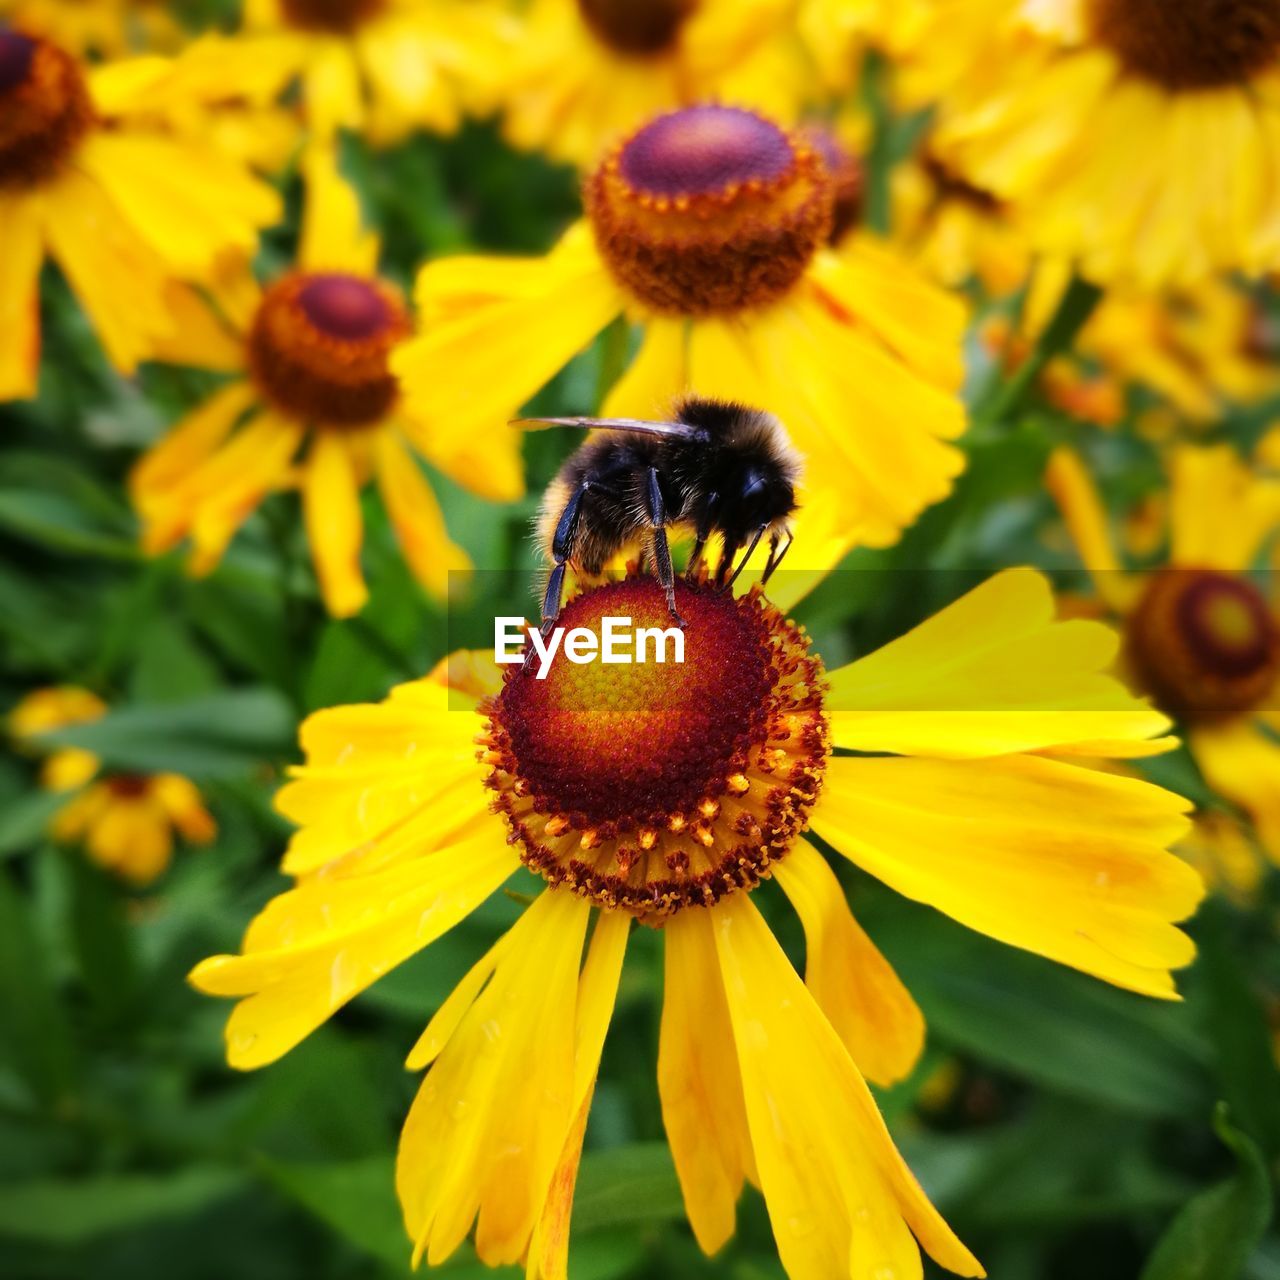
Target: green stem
{"points": [[615, 347], [1074, 309]]}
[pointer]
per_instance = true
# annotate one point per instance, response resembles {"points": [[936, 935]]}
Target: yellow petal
{"points": [[597, 993], [992, 673], [489, 1123], [131, 838], [334, 236], [22, 236], [1206, 483], [657, 376], [841, 1200], [1242, 762], [1061, 860], [333, 936], [437, 562], [335, 527], [331, 88], [68, 769], [180, 799], [190, 204], [854, 985], [702, 1107]]}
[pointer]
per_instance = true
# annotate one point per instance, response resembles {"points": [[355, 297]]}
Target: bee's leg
{"points": [[657, 512], [750, 551], [775, 556], [562, 541], [723, 565], [702, 534]]}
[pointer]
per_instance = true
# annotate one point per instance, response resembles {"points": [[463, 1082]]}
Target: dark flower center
{"points": [[657, 785], [1190, 44], [637, 28], [336, 17], [44, 109], [344, 306], [16, 54]]}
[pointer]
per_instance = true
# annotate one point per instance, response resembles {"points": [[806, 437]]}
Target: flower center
{"points": [[846, 172], [1190, 44], [335, 17], [637, 28], [710, 209], [655, 786], [1204, 643], [319, 346], [129, 786], [44, 109]]}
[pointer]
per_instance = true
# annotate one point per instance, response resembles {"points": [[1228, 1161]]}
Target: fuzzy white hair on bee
{"points": [[715, 468]]}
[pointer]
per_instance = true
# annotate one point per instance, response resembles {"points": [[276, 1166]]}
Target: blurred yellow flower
{"points": [[315, 405], [1201, 636], [1137, 137], [708, 228], [667, 794], [126, 821], [108, 27], [381, 68], [120, 207], [586, 72]]}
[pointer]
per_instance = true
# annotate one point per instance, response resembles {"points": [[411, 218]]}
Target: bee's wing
{"points": [[672, 430]]}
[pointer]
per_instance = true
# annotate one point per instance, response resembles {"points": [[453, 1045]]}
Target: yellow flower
{"points": [[314, 404], [126, 821], [120, 207], [106, 27], [379, 67], [1222, 850], [667, 794], [1200, 635], [1135, 136], [587, 72], [707, 227]]}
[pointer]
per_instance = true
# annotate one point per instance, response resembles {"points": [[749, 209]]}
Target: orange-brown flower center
{"points": [[319, 346], [129, 786], [335, 17], [655, 786], [1204, 643], [1190, 44], [846, 173], [636, 28], [710, 209], [44, 109]]}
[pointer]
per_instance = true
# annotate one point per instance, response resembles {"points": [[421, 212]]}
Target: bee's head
{"points": [[755, 491]]}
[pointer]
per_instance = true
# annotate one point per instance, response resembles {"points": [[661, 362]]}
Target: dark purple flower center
{"points": [[705, 150], [344, 307], [16, 53], [1226, 624]]}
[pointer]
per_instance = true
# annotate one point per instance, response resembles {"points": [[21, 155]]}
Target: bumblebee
{"points": [[717, 467]]}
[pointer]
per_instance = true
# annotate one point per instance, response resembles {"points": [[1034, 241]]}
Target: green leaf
{"points": [[219, 735], [71, 1211], [23, 819], [623, 1185], [101, 938], [34, 1032], [1214, 1234]]}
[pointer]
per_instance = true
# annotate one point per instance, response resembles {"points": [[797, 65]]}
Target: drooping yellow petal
{"points": [[334, 236], [841, 1200], [1242, 762], [180, 799], [335, 527], [854, 985], [131, 837], [1061, 860], [477, 361], [331, 88], [992, 673], [22, 235], [1086, 518], [437, 561], [698, 1080], [68, 769], [1205, 485], [189, 203], [597, 993], [316, 946], [489, 1122]]}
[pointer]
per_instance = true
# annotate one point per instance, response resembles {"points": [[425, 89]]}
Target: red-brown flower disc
{"points": [[319, 347], [44, 109], [1204, 643], [637, 30], [846, 173], [710, 209], [655, 786], [1190, 44], [333, 17]]}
